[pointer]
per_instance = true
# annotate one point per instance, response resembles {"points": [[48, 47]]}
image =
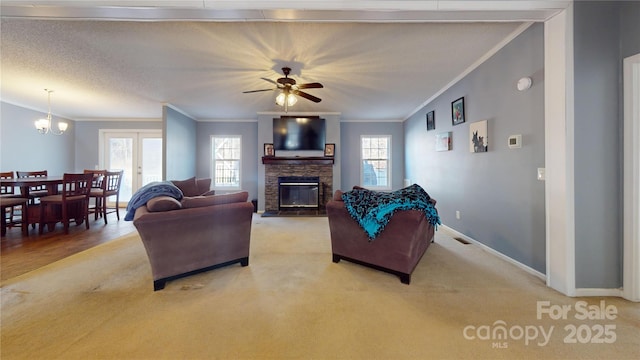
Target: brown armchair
{"points": [[200, 233], [396, 250]]}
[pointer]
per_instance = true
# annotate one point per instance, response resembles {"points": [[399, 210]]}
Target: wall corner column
{"points": [[559, 153]]}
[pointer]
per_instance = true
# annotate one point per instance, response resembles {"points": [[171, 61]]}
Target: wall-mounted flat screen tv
{"points": [[299, 133]]}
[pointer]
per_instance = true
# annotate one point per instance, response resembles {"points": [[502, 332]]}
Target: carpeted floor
{"points": [[292, 302]]}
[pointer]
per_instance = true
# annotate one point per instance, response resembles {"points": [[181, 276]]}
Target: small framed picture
{"points": [[457, 111], [431, 120], [269, 150], [329, 150], [478, 137], [443, 141]]}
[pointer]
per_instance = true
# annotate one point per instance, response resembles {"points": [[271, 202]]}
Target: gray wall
{"points": [[499, 198], [629, 28], [179, 145], [22, 148], [604, 33], [88, 137], [248, 130], [350, 139]]}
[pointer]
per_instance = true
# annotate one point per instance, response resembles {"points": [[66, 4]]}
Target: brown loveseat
{"points": [[396, 250], [196, 234]]}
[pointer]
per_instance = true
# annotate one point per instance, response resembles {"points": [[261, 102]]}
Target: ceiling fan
{"points": [[290, 88]]}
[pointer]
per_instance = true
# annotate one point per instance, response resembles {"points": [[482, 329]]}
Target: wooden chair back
{"points": [[5, 189], [75, 186], [98, 177], [112, 181], [36, 188]]}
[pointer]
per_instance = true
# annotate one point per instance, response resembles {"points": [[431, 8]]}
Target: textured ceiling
{"points": [[101, 69]]}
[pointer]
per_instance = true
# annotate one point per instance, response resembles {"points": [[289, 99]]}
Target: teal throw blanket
{"points": [[373, 209]]}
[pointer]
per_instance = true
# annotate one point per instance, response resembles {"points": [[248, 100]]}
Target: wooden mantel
{"points": [[297, 160]]}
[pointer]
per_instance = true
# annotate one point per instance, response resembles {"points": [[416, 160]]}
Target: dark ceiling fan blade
{"points": [[269, 80], [306, 96], [252, 91], [314, 85]]}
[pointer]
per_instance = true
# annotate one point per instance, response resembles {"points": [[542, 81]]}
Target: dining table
{"points": [[51, 182]]}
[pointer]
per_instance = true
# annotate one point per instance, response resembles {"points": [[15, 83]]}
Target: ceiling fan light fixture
{"points": [[290, 99]]}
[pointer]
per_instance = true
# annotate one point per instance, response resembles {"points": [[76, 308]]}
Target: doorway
{"points": [[137, 152]]}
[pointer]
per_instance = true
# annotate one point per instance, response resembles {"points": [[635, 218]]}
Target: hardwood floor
{"points": [[19, 254]]}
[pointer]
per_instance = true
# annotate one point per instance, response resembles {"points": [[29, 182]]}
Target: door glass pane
{"points": [[121, 158], [151, 160]]}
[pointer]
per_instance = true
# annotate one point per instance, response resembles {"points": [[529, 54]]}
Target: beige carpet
{"points": [[292, 302]]}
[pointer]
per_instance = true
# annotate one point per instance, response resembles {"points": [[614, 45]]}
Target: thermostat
{"points": [[515, 141]]}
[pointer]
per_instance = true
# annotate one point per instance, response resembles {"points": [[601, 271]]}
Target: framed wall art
{"points": [[443, 141], [329, 150], [269, 150], [431, 120], [457, 111], [478, 137]]}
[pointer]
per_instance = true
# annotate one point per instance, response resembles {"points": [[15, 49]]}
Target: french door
{"points": [[137, 152]]}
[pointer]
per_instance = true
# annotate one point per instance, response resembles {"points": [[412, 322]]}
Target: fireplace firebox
{"points": [[298, 192]]}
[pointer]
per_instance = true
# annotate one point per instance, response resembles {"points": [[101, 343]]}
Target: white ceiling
{"points": [[125, 62]]}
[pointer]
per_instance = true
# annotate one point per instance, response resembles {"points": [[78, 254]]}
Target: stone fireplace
{"points": [[300, 168]]}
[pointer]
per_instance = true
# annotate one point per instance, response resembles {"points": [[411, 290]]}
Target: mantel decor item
{"points": [[443, 141], [431, 120], [478, 141], [329, 150], [457, 111], [269, 150]]}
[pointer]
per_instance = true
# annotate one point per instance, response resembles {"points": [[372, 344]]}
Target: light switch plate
{"points": [[541, 174]]}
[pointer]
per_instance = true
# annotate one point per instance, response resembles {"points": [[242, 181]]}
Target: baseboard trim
{"points": [[484, 247], [588, 292]]}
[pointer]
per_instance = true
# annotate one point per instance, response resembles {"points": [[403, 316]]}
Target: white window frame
{"points": [[213, 163], [388, 159]]}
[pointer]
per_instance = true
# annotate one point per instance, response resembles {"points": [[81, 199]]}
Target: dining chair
{"points": [[72, 200], [36, 191], [7, 192], [10, 203], [98, 175], [96, 184], [109, 186]]}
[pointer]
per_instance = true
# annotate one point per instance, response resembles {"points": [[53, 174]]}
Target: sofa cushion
{"points": [[337, 196], [203, 185], [163, 203], [189, 187], [200, 201]]}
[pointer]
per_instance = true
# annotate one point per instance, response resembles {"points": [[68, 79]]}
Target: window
{"points": [[375, 172], [225, 159]]}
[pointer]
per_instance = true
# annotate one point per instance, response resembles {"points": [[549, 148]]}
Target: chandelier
{"points": [[44, 126]]}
